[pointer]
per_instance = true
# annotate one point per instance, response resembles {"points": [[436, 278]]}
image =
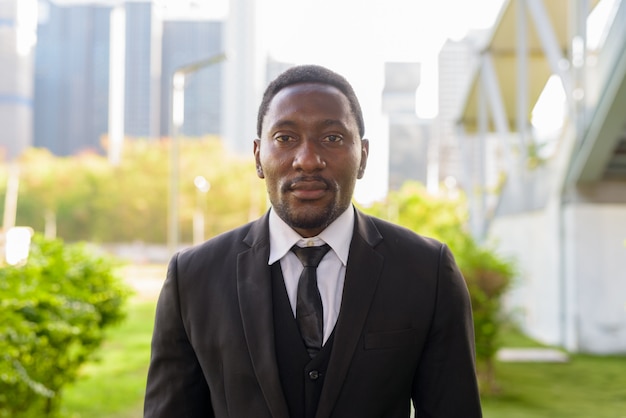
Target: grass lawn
{"points": [[114, 385], [586, 386]]}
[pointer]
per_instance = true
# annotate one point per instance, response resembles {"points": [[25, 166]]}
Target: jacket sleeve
{"points": [[176, 386], [445, 384]]}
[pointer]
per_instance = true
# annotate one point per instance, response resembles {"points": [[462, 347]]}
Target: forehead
{"points": [[308, 88], [307, 100]]}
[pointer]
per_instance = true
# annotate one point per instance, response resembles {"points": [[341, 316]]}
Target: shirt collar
{"points": [[338, 235]]}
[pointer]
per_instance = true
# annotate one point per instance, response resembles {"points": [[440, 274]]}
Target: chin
{"points": [[312, 218], [308, 223], [306, 217]]}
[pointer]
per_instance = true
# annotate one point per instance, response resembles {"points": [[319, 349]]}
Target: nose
{"points": [[308, 157]]}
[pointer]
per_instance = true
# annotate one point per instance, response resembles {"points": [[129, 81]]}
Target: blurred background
{"points": [[128, 125]]}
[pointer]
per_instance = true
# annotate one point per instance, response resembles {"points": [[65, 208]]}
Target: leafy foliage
{"points": [[53, 313], [93, 200], [487, 275]]}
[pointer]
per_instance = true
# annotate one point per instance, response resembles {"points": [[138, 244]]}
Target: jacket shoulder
{"points": [[396, 235], [222, 246]]}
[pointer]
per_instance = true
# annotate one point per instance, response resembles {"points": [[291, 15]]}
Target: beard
{"points": [[314, 218], [303, 217]]}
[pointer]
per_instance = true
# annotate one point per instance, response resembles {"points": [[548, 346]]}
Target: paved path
{"points": [[145, 279], [532, 355]]}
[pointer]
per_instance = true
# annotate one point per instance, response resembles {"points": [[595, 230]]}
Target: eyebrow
{"points": [[287, 123], [334, 122]]}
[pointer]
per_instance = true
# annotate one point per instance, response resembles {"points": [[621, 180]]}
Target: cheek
{"points": [[353, 164], [348, 176], [274, 165], [270, 174]]}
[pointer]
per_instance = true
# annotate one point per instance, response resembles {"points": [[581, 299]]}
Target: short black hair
{"points": [[310, 74]]}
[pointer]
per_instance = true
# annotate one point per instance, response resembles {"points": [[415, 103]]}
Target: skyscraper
{"points": [[72, 77], [408, 134], [456, 62], [244, 73], [186, 42], [17, 36], [139, 92], [106, 70]]}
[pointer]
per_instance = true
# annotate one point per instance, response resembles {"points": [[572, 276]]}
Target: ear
{"points": [[365, 149], [257, 158]]}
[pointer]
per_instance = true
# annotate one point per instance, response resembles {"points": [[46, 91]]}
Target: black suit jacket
{"points": [[404, 331]]}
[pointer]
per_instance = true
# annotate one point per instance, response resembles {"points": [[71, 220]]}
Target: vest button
{"points": [[314, 375]]}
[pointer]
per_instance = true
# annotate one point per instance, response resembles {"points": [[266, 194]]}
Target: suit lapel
{"points": [[362, 277], [255, 303]]}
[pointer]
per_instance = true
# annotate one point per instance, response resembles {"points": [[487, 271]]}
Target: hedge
{"points": [[54, 310]]}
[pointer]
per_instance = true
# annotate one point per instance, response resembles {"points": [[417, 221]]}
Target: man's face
{"points": [[310, 155]]}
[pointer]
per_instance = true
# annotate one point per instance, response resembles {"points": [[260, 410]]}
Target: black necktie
{"points": [[309, 310]]}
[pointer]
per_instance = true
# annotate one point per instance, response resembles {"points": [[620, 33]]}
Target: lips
{"points": [[309, 189]]}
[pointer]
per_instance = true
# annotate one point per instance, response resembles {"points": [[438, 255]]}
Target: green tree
{"points": [[93, 200], [487, 275]]}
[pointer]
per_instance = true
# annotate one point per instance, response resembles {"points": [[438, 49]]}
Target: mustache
{"points": [[301, 179]]}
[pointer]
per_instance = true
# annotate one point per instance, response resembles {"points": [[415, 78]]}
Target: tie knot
{"points": [[310, 256]]}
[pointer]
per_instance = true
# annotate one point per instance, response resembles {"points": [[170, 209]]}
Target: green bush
{"points": [[53, 313], [487, 275]]}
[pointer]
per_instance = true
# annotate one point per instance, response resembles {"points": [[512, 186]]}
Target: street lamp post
{"points": [[202, 187], [178, 118]]}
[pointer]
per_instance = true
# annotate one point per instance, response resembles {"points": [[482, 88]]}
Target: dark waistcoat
{"points": [[301, 377]]}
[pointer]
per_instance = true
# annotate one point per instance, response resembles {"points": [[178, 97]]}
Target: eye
{"points": [[283, 138], [333, 138]]}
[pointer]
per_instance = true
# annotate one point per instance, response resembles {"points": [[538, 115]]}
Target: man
{"points": [[394, 323]]}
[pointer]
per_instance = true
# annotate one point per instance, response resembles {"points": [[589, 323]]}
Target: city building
{"points": [[244, 74], [71, 100], [409, 135], [17, 35], [456, 61], [141, 95], [187, 42], [103, 72]]}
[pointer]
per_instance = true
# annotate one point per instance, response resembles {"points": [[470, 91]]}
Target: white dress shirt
{"points": [[331, 270]]}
